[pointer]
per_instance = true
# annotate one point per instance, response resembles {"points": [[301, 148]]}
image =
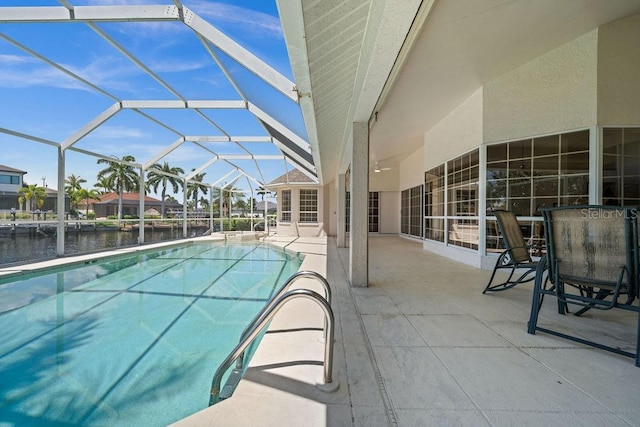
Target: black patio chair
{"points": [[592, 260], [516, 255]]}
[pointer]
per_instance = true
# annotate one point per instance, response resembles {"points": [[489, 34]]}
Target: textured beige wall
{"points": [[384, 180], [412, 170], [330, 196], [553, 93], [389, 212], [459, 132], [619, 72]]}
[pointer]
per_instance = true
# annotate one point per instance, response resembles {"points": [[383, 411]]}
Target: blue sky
{"points": [[40, 100]]}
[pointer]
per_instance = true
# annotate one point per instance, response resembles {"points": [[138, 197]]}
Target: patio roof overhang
{"points": [[403, 66], [242, 153]]}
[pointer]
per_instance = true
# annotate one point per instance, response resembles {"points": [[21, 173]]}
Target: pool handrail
{"points": [[284, 288], [327, 385]]}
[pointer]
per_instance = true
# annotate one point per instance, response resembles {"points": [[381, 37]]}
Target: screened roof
{"points": [[164, 81]]}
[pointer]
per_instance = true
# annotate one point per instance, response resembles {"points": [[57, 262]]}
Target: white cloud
{"points": [[104, 72], [19, 71], [257, 23], [118, 132]]}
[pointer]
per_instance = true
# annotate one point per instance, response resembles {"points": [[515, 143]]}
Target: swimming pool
{"points": [[132, 341]]}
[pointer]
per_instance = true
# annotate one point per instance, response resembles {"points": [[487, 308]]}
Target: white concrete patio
{"points": [[422, 346]]}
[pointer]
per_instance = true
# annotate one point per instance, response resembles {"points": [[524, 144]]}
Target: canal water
{"points": [[21, 248]]}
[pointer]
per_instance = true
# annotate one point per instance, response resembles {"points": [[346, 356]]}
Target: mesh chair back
{"points": [[512, 236], [590, 244]]}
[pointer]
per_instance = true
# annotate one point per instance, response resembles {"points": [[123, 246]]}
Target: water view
{"points": [[21, 248]]}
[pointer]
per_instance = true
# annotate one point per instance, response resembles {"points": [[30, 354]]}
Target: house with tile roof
{"points": [[107, 204], [300, 209]]}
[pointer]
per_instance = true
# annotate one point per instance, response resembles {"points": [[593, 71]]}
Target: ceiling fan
{"points": [[377, 168]]}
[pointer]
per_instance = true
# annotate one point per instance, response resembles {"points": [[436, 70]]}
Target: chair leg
{"points": [[602, 294], [536, 302], [638, 342], [495, 269]]}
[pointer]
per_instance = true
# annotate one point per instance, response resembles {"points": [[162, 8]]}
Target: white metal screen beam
{"points": [[134, 59], [161, 172], [86, 129], [224, 177], [164, 152], [233, 181], [202, 167], [304, 145], [303, 170], [105, 157], [89, 13], [222, 138], [29, 137], [57, 66], [240, 54], [177, 104]]}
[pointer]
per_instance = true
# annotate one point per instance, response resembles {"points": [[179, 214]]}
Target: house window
{"points": [[411, 211], [434, 204], [285, 210], [404, 212], [374, 211], [621, 167], [462, 191], [9, 179], [309, 205], [415, 211], [347, 211], [524, 176]]}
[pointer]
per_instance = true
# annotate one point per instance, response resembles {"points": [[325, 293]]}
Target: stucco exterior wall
{"points": [[553, 93], [330, 193], [411, 171], [389, 212], [386, 180], [295, 227], [619, 72], [459, 132]]}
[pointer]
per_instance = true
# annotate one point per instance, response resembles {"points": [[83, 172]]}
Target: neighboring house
{"points": [[272, 207], [51, 202], [300, 211], [10, 181], [108, 205]]}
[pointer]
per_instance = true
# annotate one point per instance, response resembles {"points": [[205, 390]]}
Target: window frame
{"points": [[285, 207], [308, 205]]}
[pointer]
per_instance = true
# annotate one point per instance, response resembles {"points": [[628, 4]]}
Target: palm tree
{"points": [[103, 186], [233, 196], [157, 179], [195, 187], [120, 177], [33, 194], [262, 192], [84, 194], [72, 185]]}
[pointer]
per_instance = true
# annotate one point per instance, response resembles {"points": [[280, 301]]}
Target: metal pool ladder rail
{"points": [[265, 315]]}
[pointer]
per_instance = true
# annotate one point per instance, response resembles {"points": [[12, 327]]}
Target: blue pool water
{"points": [[129, 342]]}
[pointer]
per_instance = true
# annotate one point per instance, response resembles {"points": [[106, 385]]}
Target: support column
{"points": [[141, 195], [211, 210], [359, 207], [60, 203], [341, 232], [184, 210], [220, 203]]}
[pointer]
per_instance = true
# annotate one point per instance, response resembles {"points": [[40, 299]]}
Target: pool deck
{"points": [[422, 346]]}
